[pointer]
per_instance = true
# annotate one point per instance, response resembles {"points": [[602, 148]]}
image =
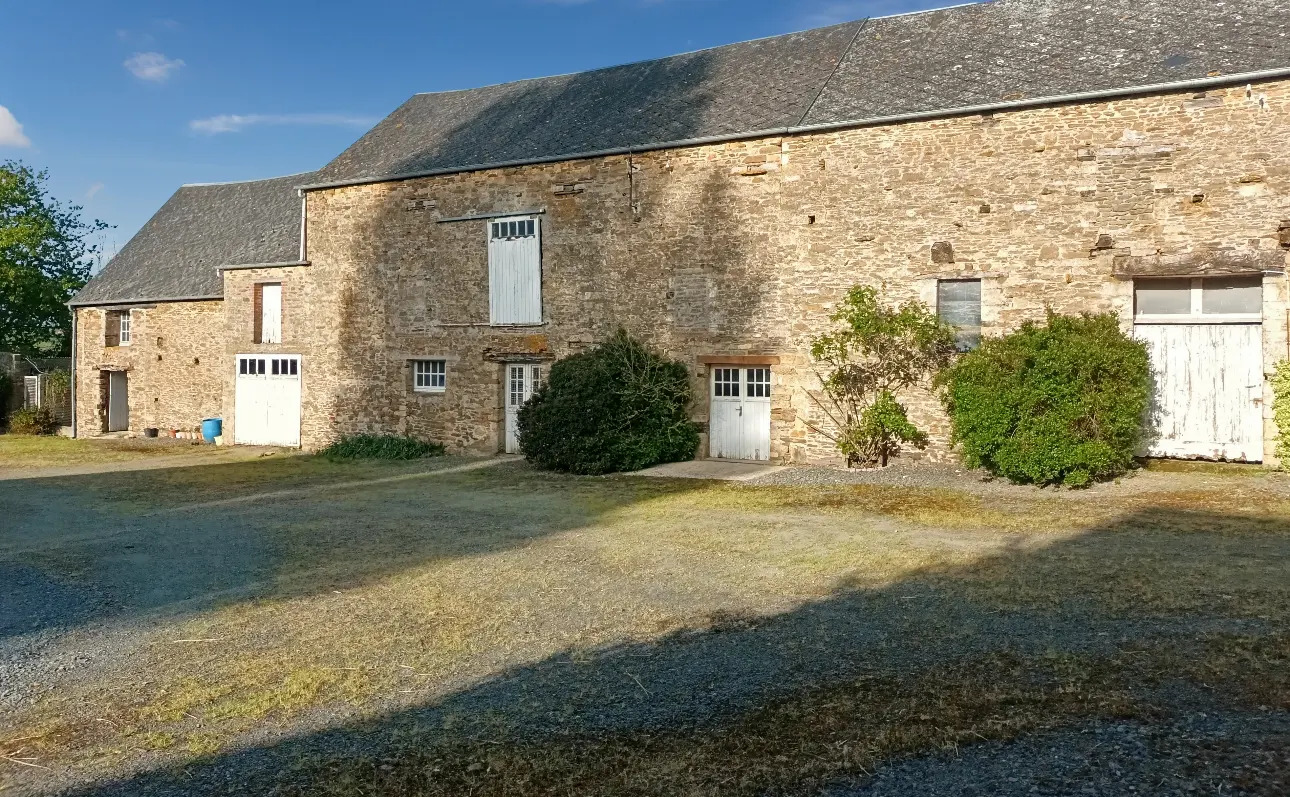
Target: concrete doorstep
{"points": [[718, 469]]}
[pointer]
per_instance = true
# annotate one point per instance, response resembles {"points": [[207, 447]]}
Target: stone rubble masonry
{"points": [[174, 365], [745, 248]]}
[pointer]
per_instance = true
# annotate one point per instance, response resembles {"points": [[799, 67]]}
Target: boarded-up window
{"points": [[268, 312], [958, 303], [515, 271]]}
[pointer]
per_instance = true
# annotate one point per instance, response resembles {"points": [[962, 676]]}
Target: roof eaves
{"points": [[143, 300], [877, 121]]}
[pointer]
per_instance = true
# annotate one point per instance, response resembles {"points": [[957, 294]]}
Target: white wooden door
{"points": [[739, 422], [522, 380], [118, 401], [1208, 391], [268, 400], [515, 271]]}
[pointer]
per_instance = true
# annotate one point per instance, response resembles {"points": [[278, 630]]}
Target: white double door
{"points": [[522, 381], [739, 424], [268, 400], [1208, 400]]}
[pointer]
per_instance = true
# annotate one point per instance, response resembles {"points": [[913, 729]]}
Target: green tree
{"points": [[46, 251], [875, 352]]}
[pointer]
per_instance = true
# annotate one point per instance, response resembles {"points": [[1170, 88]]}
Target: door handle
{"points": [[741, 410]]}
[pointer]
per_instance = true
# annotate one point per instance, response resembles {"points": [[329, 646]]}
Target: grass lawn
{"points": [[32, 451], [454, 627]]}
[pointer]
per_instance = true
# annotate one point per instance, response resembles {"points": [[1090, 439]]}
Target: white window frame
{"points": [[430, 373], [124, 327], [1197, 314]]}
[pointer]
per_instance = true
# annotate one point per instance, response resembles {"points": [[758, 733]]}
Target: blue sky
{"points": [[123, 102]]}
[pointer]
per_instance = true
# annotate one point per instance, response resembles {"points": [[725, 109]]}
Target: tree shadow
{"points": [[1024, 639], [129, 547]]}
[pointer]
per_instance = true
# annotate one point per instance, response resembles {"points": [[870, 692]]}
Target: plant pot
{"points": [[150, 432]]}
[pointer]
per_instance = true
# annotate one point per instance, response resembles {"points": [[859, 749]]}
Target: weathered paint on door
{"points": [[268, 400], [118, 402], [515, 271], [1208, 391], [739, 422], [522, 379]]}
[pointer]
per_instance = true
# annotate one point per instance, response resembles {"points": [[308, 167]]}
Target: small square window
{"points": [[1232, 296], [430, 376]]}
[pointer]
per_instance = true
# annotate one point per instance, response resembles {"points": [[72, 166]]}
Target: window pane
{"points": [[1162, 297], [958, 303], [1232, 295]]}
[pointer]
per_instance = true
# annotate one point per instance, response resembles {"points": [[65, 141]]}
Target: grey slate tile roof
{"points": [[939, 61], [177, 254]]}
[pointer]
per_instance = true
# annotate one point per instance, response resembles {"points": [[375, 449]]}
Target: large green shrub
{"points": [[617, 407], [33, 420], [381, 446], [1060, 402]]}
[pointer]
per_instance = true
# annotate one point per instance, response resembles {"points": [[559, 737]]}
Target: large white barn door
{"points": [[515, 271], [739, 418], [1209, 390], [268, 400], [1205, 338]]}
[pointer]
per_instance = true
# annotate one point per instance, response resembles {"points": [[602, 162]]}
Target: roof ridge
{"points": [[244, 182], [933, 10]]}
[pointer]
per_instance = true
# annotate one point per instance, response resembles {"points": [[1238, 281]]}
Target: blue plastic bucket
{"points": [[212, 428]]}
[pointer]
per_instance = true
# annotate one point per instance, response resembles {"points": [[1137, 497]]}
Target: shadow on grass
{"points": [[1158, 614], [179, 541]]}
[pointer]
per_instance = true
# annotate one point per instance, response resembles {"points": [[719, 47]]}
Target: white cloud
{"points": [[154, 67], [235, 123], [94, 189], [11, 134]]}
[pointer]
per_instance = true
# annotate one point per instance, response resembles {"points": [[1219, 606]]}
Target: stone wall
{"points": [[174, 366], [744, 248]]}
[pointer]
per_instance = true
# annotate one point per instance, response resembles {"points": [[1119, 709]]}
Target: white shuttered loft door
{"points": [[515, 271]]}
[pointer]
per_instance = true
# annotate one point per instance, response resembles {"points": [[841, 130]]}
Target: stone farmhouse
{"points": [[995, 160]]}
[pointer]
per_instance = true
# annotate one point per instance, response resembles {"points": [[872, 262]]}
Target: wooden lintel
{"points": [[738, 359]]}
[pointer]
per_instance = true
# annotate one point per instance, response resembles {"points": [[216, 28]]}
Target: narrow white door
{"points": [[739, 422], [271, 313], [522, 380], [1208, 391], [268, 400], [118, 401]]}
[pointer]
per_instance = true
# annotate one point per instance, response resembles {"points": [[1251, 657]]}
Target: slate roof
{"points": [[178, 252], [1006, 51]]}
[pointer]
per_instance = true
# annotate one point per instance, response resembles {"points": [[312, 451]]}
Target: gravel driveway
{"points": [[311, 628]]}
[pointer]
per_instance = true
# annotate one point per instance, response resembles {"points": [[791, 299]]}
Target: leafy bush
{"points": [[1281, 410], [1061, 402], [875, 351], [617, 407], [381, 446], [33, 420]]}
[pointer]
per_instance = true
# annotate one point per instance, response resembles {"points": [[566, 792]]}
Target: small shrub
{"points": [[381, 446], [874, 351], [33, 420], [1281, 410], [1061, 402], [618, 407]]}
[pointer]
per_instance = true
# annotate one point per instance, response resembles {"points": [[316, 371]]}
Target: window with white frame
{"points": [[515, 271], [1198, 299], [430, 376], [268, 312], [116, 328]]}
